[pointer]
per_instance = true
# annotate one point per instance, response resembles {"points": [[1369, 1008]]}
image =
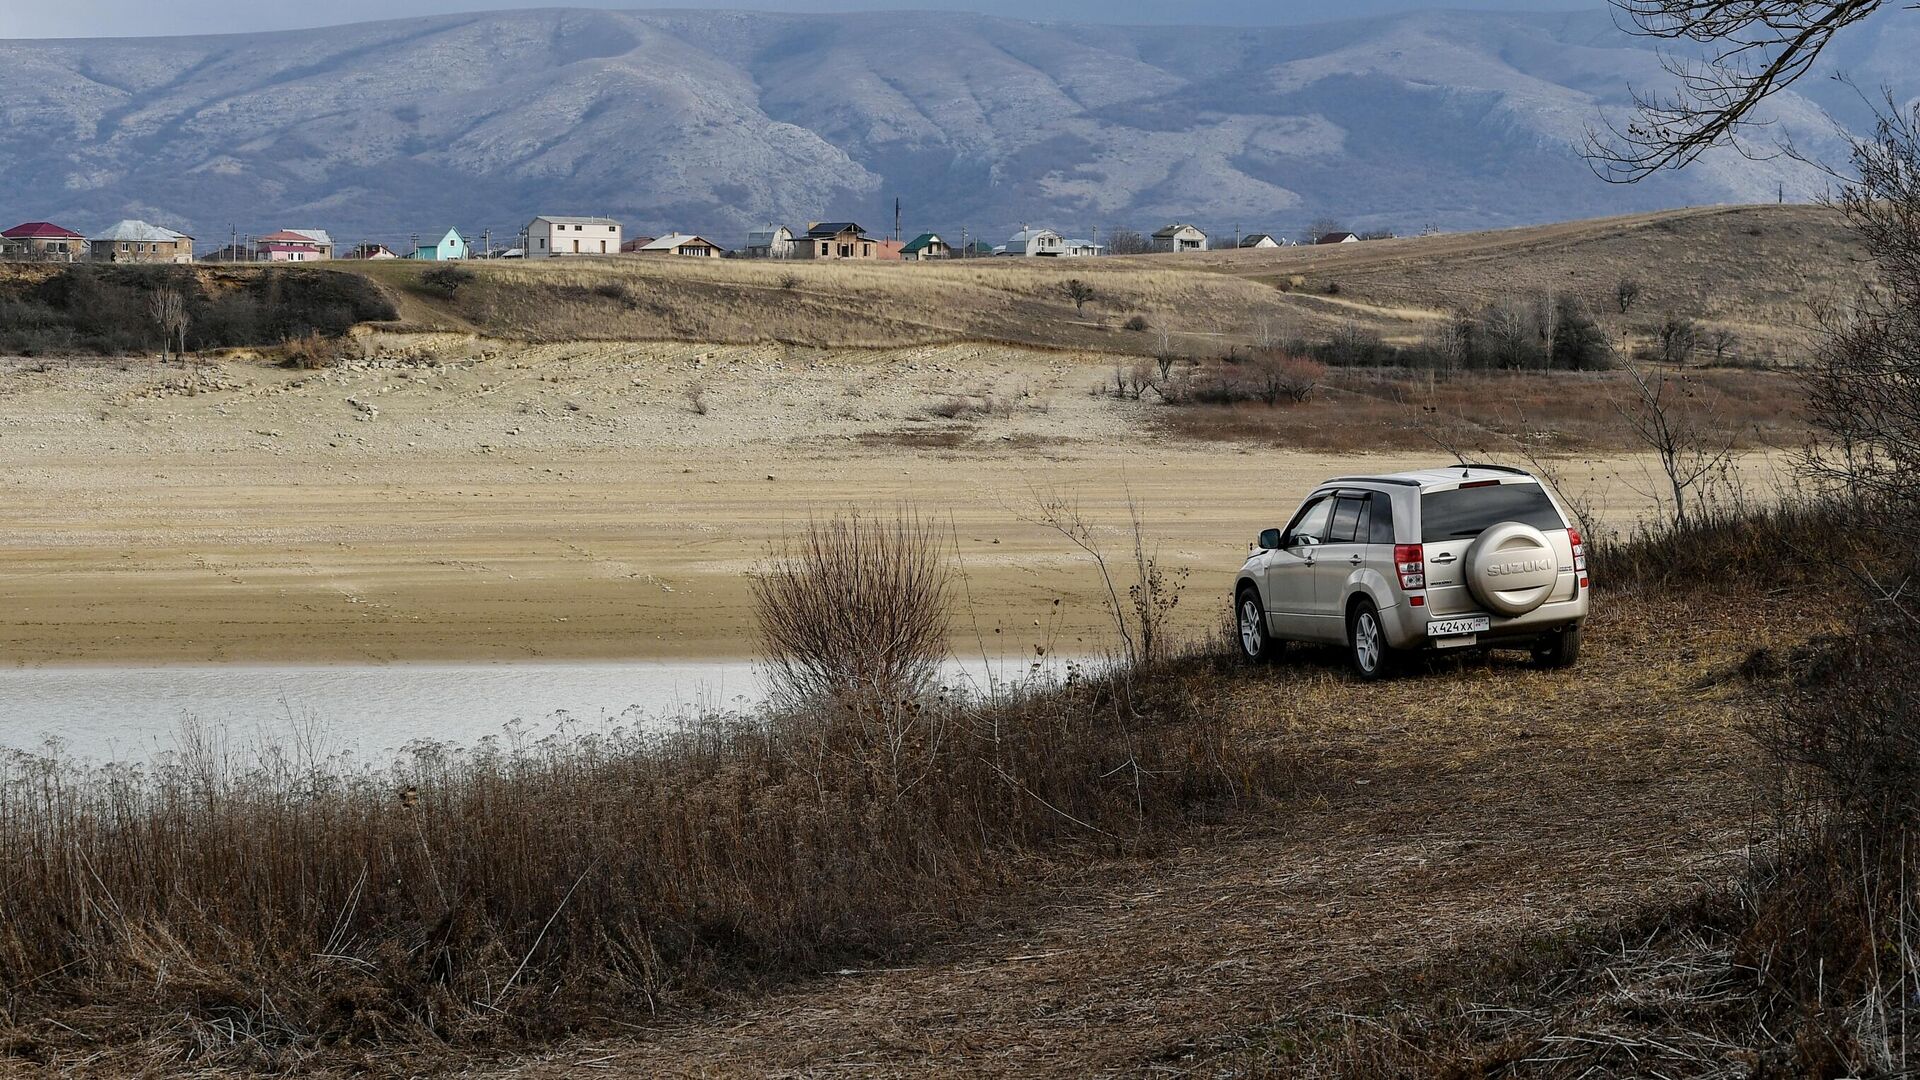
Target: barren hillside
{"points": [[1755, 270]]}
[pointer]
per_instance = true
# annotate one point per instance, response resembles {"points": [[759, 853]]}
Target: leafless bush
{"points": [[311, 353], [1079, 293], [1141, 618], [789, 282], [1678, 336], [855, 612], [1693, 448], [1137, 323], [696, 395]]}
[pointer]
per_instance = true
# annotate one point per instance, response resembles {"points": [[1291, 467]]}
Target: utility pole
{"points": [[896, 218]]}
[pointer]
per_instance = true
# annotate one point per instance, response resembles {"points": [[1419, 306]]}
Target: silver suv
{"points": [[1435, 559]]}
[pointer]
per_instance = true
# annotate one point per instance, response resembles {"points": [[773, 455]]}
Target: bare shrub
{"points": [[311, 352], [1141, 618], [789, 282], [1289, 378], [1678, 336], [1137, 323], [1692, 445], [696, 395], [446, 280], [1079, 293], [854, 612]]}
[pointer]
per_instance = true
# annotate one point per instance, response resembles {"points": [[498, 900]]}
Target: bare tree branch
{"points": [[1756, 49]]}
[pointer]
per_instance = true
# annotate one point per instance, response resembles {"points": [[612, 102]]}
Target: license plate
{"points": [[1479, 624]]}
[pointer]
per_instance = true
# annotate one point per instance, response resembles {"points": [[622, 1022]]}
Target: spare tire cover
{"points": [[1511, 568]]}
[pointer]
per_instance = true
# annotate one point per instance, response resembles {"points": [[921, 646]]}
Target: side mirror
{"points": [[1270, 540]]}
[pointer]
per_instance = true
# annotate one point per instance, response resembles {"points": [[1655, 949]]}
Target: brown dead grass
{"points": [[1430, 821], [1560, 412]]}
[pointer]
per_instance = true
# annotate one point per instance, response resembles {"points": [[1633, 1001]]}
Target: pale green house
{"points": [[451, 246]]}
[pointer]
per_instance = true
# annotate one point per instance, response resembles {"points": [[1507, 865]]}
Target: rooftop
{"points": [[141, 232], [41, 230]]}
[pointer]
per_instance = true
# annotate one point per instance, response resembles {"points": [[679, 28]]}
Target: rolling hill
{"points": [[718, 121]]}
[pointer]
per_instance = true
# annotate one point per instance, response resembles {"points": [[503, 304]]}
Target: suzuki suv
{"points": [[1435, 559]]}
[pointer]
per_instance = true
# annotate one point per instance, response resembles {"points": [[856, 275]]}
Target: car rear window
{"points": [[1469, 511]]}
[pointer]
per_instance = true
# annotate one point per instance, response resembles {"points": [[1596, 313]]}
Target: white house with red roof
{"points": [[42, 241]]}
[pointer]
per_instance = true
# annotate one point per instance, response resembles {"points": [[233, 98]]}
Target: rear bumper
{"points": [[1406, 626]]}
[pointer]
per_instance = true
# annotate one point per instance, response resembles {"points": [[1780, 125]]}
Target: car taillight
{"points": [[1579, 550], [1411, 562]]}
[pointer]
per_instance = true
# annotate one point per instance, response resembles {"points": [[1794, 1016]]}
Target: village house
{"points": [[925, 248], [889, 250], [139, 242], [294, 245], [371, 251], [772, 242], [550, 237], [1337, 238], [42, 241], [683, 244], [1179, 237], [1083, 249], [1035, 243], [1259, 240], [636, 244], [449, 248], [836, 240]]}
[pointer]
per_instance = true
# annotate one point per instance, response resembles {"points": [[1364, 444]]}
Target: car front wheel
{"points": [[1256, 645], [1367, 648]]}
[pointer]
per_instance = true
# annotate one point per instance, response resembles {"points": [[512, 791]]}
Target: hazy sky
{"points": [[142, 18]]}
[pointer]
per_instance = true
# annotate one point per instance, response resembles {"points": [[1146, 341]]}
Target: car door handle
{"points": [[1441, 558], [1356, 560]]}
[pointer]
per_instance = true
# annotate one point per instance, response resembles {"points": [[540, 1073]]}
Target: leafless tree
{"points": [[1694, 448], [1079, 293], [168, 308], [1863, 390], [1679, 336], [1320, 227], [1127, 242], [1625, 292], [1755, 48], [1722, 341]]}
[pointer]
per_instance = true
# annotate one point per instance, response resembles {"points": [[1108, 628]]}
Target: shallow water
{"points": [[369, 712]]}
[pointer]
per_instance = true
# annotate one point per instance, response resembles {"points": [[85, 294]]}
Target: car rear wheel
{"points": [[1558, 650], [1367, 648], [1256, 645]]}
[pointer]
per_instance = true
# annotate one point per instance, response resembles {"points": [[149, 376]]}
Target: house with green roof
{"points": [[924, 247]]}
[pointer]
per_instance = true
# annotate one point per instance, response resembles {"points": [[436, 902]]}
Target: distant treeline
{"points": [[1534, 334], [111, 310]]}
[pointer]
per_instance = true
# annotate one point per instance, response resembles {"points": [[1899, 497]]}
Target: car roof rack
{"points": [[1510, 470], [1398, 480]]}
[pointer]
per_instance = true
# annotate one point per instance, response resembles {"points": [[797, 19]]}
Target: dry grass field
{"points": [[1751, 270]]}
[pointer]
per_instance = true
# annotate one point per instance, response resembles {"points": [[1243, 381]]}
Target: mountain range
{"points": [[718, 122]]}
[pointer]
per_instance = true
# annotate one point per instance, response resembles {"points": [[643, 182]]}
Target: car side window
{"points": [[1380, 523], [1345, 526], [1310, 527]]}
